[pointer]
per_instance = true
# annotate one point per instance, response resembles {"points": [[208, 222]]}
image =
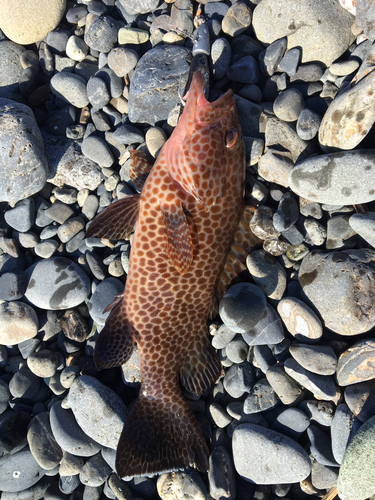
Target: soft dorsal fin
{"points": [[244, 241], [140, 167], [117, 221], [177, 235], [115, 342], [202, 366]]}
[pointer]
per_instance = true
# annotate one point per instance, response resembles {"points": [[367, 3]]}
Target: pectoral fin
{"points": [[140, 167], [177, 235], [117, 221]]}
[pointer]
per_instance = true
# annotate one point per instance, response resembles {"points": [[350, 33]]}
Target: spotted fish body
{"points": [[186, 218]]}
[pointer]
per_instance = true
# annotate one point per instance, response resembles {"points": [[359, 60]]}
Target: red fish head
{"points": [[206, 146]]}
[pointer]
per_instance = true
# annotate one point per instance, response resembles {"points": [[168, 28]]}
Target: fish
{"points": [[186, 218]]}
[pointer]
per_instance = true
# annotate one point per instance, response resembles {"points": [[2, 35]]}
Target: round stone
{"points": [[19, 471], [18, 322], [320, 359], [242, 307], [43, 363], [288, 105], [122, 60], [300, 319], [69, 436], [43, 445], [108, 413], [30, 22], [363, 223], [269, 330], [267, 273], [95, 471], [104, 293], [56, 283], [102, 34], [181, 484], [76, 48], [71, 88], [346, 277], [264, 456], [356, 364]]}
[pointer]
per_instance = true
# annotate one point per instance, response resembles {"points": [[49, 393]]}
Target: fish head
{"points": [[207, 146]]}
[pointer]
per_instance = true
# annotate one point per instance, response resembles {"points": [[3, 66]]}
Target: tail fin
{"points": [[160, 435]]}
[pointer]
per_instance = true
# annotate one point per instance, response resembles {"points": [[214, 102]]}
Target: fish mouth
{"points": [[210, 112]]}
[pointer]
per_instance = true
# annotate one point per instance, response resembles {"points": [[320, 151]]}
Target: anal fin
{"points": [[117, 221], [157, 438], [201, 368], [115, 342], [177, 235]]}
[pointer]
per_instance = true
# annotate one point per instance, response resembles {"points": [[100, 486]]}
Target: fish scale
{"points": [[187, 215]]}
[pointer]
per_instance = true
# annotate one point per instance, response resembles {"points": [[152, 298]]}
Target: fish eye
{"points": [[231, 137]]}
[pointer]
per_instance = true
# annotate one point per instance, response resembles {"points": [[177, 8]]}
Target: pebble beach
{"points": [[82, 84]]}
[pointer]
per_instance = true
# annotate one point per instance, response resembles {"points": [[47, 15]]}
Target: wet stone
{"points": [[319, 359], [356, 363], [42, 444], [261, 398], [291, 422], [242, 307], [322, 386], [300, 320], [56, 283], [264, 456]]}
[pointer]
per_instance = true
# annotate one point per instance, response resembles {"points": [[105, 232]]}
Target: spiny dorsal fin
{"points": [[177, 235], [140, 167], [115, 342], [117, 221]]}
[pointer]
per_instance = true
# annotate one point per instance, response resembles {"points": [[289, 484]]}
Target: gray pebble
{"points": [[287, 212], [344, 426], [70, 228], [316, 232], [19, 471], [236, 350], [322, 386], [245, 70], [323, 477], [271, 57], [59, 212], [104, 294], [24, 384], [284, 386], [274, 166], [56, 283], [288, 105], [96, 266], [320, 412], [308, 124], [237, 19], [105, 421], [267, 273], [98, 92], [319, 359], [242, 307], [321, 446], [263, 357], [42, 444], [71, 88], [264, 456], [261, 398], [21, 217], [364, 225], [221, 474], [291, 422], [122, 60], [239, 379], [128, 134], [97, 150], [220, 56], [289, 63], [12, 286], [340, 235], [90, 206], [95, 471], [102, 34], [43, 363], [300, 320], [219, 415], [46, 248], [311, 72], [69, 435], [5, 396], [269, 330]]}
